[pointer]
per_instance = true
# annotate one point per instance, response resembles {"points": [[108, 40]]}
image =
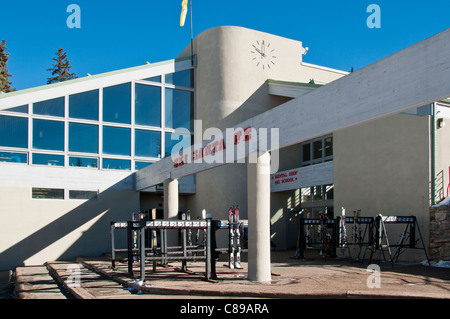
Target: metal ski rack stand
{"points": [[161, 253], [407, 238], [182, 225], [113, 227], [359, 238], [131, 227], [327, 246]]}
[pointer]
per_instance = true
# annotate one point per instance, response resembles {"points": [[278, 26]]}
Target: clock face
{"points": [[263, 54]]}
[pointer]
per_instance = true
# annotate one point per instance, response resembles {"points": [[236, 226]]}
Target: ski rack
{"points": [[375, 236], [365, 239], [327, 245], [407, 238], [153, 253], [136, 249]]}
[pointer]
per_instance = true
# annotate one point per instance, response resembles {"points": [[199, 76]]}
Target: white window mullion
{"points": [[163, 116], [66, 131], [133, 121], [100, 128], [30, 132]]}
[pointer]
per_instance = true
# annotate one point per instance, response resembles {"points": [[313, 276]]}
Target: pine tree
{"points": [[61, 69], [5, 85]]}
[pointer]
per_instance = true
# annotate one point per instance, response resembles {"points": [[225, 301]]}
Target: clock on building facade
{"points": [[263, 54]]}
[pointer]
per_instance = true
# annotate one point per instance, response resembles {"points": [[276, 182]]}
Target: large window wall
{"points": [[125, 126]]}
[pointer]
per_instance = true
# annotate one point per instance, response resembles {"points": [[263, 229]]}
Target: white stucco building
{"points": [[69, 152]]}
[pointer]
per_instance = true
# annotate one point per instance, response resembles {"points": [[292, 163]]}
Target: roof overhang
{"points": [[290, 89]]}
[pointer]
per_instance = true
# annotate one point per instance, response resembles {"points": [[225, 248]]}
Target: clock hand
{"points": [[263, 49], [258, 50]]}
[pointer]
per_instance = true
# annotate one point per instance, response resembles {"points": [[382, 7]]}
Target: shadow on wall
{"points": [[284, 219], [439, 187], [113, 204], [259, 102]]}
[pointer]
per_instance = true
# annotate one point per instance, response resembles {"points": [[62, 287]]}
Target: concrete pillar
{"points": [[171, 209], [170, 198], [258, 190]]}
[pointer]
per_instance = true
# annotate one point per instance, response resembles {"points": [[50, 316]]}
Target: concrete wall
{"points": [[382, 167], [38, 230], [442, 153]]}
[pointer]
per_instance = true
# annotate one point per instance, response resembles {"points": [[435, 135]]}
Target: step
{"points": [[84, 283], [35, 282], [6, 284]]}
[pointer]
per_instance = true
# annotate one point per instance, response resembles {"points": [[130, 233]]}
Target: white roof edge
{"points": [[87, 83], [324, 68]]}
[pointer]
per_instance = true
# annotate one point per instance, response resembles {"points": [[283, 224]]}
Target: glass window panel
{"points": [[10, 157], [53, 107], [83, 162], [147, 143], [74, 194], [329, 146], [182, 78], [83, 138], [18, 109], [306, 152], [318, 194], [329, 191], [47, 193], [13, 131], [317, 149], [148, 105], [112, 163], [48, 159], [178, 109], [48, 135], [154, 79], [116, 140], [306, 195], [141, 165], [117, 103], [179, 138], [84, 105]]}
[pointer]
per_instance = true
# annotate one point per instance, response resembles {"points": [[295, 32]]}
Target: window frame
{"points": [[312, 160], [21, 116], [91, 199], [48, 188]]}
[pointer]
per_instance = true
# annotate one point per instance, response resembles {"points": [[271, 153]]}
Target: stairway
{"points": [[6, 284]]}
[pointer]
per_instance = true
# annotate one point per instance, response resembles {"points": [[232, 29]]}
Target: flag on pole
{"points": [[184, 10]]}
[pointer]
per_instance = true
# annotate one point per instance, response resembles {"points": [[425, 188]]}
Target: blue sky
{"points": [[120, 34]]}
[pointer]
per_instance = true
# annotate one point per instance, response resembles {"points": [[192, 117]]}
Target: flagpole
{"points": [[192, 37]]}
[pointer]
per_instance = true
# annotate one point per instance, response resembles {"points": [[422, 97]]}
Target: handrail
{"points": [[448, 187]]}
